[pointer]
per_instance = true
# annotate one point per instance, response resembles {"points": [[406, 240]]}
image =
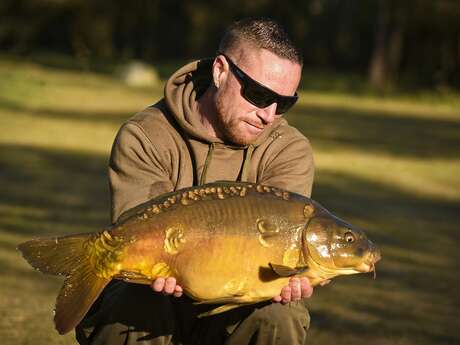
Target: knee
{"points": [[274, 323], [135, 296], [131, 305], [279, 315], [125, 313]]}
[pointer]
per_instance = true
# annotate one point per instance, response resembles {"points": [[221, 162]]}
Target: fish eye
{"points": [[349, 237]]}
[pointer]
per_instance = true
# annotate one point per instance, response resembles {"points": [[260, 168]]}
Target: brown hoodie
{"points": [[165, 148]]}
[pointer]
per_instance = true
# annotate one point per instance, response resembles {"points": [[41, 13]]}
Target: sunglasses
{"points": [[258, 94]]}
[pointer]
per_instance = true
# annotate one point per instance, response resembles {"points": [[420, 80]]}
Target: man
{"points": [[220, 119]]}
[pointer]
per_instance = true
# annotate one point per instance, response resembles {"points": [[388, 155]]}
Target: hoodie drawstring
{"points": [[244, 171], [206, 164], [247, 160]]}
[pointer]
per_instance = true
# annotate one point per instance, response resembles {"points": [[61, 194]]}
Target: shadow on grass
{"points": [[97, 117], [52, 191], [333, 327], [377, 132], [107, 67]]}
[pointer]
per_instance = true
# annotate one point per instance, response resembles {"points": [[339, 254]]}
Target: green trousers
{"points": [[131, 314]]}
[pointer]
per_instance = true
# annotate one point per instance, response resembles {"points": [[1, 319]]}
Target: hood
{"points": [[182, 91]]}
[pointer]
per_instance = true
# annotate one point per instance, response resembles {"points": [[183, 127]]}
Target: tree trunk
{"points": [[378, 64], [395, 47]]}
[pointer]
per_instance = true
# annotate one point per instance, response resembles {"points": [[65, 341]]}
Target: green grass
{"points": [[391, 166]]}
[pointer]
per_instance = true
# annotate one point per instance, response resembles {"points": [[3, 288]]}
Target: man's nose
{"points": [[267, 114]]}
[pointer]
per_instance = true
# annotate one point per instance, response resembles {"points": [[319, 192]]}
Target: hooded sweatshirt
{"points": [[165, 148]]}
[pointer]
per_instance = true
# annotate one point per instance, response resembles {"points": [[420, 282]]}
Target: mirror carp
{"points": [[229, 243]]}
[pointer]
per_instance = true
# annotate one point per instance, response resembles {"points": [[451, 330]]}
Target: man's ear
{"points": [[220, 70]]}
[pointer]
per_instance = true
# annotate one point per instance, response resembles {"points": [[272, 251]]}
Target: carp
{"points": [[227, 243]]}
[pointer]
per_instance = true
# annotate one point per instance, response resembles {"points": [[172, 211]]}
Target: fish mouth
{"points": [[365, 267], [369, 265]]}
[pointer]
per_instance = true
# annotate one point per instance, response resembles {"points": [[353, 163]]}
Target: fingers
{"points": [[305, 288], [297, 289], [170, 285], [296, 293], [178, 291], [286, 294], [167, 286], [158, 284], [277, 299]]}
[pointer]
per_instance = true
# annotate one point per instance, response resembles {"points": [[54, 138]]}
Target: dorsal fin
{"points": [[210, 191]]}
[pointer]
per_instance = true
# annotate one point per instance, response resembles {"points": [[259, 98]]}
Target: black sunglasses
{"points": [[258, 94]]}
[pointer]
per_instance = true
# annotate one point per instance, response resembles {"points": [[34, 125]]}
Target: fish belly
{"points": [[228, 266], [217, 248]]}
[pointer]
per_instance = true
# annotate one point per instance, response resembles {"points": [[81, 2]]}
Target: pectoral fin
{"points": [[133, 277], [220, 309], [286, 271], [232, 300], [229, 303], [223, 300]]}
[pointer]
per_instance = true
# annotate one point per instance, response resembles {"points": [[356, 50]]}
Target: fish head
{"points": [[337, 248]]}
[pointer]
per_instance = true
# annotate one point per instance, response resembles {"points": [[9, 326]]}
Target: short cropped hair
{"points": [[261, 33]]}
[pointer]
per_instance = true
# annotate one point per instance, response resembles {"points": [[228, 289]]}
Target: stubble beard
{"points": [[231, 131], [234, 135]]}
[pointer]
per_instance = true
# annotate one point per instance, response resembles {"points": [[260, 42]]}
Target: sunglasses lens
{"points": [[262, 98], [258, 96], [285, 104]]}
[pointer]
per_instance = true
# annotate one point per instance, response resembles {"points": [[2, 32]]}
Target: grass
{"points": [[391, 166]]}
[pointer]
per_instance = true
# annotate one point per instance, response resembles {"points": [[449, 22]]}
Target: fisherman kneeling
{"points": [[220, 119]]}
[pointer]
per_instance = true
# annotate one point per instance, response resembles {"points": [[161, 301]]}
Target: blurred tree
{"points": [[388, 43], [391, 41], [423, 35]]}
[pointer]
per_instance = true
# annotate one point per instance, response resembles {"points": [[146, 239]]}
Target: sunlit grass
{"points": [[436, 178], [388, 165], [64, 109], [417, 106]]}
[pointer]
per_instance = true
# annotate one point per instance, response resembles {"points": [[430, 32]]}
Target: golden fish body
{"points": [[229, 243], [217, 248]]}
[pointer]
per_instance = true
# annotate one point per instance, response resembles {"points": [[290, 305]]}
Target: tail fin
{"points": [[67, 256]]}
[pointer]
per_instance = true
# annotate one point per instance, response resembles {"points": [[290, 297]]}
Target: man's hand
{"points": [[167, 286], [297, 289]]}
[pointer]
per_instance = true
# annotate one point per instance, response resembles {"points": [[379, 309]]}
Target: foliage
{"points": [[391, 40]]}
